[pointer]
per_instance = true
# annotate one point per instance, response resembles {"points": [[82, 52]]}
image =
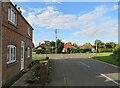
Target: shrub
{"points": [[38, 51], [116, 51], [34, 50], [101, 50], [77, 50], [82, 51], [85, 50]]}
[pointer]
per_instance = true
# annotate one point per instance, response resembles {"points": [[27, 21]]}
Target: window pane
{"points": [[9, 14], [8, 54], [28, 30], [14, 53], [21, 52], [28, 52], [11, 54], [12, 16]]}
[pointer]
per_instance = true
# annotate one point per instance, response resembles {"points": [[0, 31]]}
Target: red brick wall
{"points": [[13, 35]]}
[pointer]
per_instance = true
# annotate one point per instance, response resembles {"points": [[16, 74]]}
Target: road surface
{"points": [[79, 70]]}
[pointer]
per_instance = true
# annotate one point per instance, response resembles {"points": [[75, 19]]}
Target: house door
{"points": [[22, 55]]}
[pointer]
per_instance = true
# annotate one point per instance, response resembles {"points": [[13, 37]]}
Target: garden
{"points": [[112, 57]]}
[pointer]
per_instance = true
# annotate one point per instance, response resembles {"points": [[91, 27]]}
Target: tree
{"points": [[74, 44], [33, 46], [98, 43], [60, 45], [116, 51], [50, 47], [87, 45], [101, 45], [110, 45]]}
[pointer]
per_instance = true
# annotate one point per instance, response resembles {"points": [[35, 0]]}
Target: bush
{"points": [[85, 50], [101, 50], [38, 51], [75, 50], [116, 51], [34, 50], [78, 50]]}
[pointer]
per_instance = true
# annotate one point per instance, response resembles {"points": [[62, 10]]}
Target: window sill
{"points": [[29, 35], [12, 24], [10, 62]]}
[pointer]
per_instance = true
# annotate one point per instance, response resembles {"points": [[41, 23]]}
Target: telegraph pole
{"points": [[56, 41], [96, 47]]}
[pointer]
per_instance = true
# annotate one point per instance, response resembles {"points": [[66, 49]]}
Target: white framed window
{"points": [[11, 16], [28, 52], [11, 54], [29, 31]]}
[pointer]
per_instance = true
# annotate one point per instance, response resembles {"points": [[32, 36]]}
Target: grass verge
{"points": [[36, 59], [106, 57]]}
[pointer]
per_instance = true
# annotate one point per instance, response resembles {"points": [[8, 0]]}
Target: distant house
{"points": [[67, 46], [43, 45], [15, 42], [82, 47]]}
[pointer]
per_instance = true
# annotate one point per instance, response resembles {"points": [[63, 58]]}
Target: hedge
{"points": [[38, 51], [77, 50], [116, 52], [101, 50]]}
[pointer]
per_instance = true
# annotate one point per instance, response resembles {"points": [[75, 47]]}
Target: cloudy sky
{"points": [[77, 22]]}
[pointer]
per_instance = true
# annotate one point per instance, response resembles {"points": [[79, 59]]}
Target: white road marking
{"points": [[110, 79], [85, 64]]}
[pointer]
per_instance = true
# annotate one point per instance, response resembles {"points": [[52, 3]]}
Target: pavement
{"points": [[79, 70]]}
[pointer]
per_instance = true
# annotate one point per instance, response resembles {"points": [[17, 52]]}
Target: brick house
{"points": [[15, 42], [67, 46], [43, 45]]}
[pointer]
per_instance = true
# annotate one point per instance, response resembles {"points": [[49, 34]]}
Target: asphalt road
{"points": [[79, 70]]}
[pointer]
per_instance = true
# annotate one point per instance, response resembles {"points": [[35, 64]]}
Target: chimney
{"points": [[19, 10], [15, 5]]}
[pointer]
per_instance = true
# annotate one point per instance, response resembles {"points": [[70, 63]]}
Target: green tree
{"points": [[98, 43], [116, 51], [110, 45], [60, 46], [74, 44], [86, 45], [33, 46], [101, 45], [50, 47]]}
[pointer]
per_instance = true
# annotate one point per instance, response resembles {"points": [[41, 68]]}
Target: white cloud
{"points": [[116, 6], [91, 24]]}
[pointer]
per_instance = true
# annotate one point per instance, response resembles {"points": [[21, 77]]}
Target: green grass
{"points": [[106, 57], [36, 59]]}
